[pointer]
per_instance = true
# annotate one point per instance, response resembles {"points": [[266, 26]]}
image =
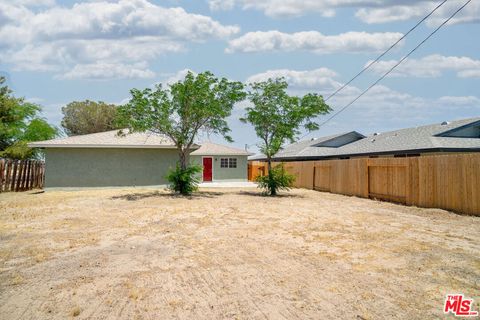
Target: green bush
{"points": [[277, 179], [184, 181]]}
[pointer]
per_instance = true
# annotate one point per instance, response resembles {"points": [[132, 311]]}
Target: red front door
{"points": [[207, 169]]}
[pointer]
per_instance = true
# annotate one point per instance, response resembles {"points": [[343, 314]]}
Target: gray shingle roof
{"points": [[424, 139], [111, 139], [213, 149], [108, 139], [258, 156]]}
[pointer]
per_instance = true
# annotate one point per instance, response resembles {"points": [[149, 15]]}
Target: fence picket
{"points": [[8, 174], [2, 173], [21, 175]]}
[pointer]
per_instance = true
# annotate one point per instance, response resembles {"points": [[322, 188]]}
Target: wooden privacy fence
{"points": [[449, 182], [255, 169], [21, 175]]}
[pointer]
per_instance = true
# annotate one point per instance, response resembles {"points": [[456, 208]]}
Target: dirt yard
{"points": [[229, 254]]}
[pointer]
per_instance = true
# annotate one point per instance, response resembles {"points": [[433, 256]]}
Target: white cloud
{"points": [[369, 11], [469, 73], [381, 104], [459, 101], [178, 76], [217, 5], [292, 8], [430, 66], [321, 78], [103, 70], [31, 3], [413, 10], [352, 42], [123, 33]]}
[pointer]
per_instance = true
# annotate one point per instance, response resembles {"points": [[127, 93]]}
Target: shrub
{"points": [[184, 181], [277, 179]]}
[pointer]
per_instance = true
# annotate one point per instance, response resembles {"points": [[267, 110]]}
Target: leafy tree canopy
{"points": [[278, 117], [198, 103], [84, 117], [20, 123]]}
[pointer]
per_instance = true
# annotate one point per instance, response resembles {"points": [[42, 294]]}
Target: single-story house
{"points": [[107, 159], [459, 136]]}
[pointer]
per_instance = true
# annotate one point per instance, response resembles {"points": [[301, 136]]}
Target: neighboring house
{"points": [[447, 137], [138, 159]]}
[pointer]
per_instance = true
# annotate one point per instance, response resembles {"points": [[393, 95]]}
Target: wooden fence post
{"points": [[8, 174], [18, 176], [2, 173], [30, 176], [314, 172], [14, 175], [25, 178], [37, 175], [25, 175]]}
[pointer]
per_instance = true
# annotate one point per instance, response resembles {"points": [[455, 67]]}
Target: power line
{"points": [[396, 65], [385, 52]]}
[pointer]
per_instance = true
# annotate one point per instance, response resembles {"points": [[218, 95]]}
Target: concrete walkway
{"points": [[218, 184]]}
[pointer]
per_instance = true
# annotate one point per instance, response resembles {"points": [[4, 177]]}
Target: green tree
{"points": [[83, 117], [277, 118], [20, 123], [198, 103]]}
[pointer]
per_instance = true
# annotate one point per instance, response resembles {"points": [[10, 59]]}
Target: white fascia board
{"points": [[99, 146]]}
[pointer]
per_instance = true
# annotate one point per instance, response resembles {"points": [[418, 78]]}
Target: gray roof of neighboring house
{"points": [[108, 139], [258, 156], [213, 149], [410, 140]]}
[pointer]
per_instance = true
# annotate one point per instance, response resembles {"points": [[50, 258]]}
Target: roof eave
{"points": [[99, 146], [409, 151], [220, 154]]}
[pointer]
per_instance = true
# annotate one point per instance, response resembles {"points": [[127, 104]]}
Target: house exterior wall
{"points": [[226, 174], [101, 167]]}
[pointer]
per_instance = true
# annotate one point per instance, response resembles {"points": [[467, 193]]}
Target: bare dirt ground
{"points": [[229, 254]]}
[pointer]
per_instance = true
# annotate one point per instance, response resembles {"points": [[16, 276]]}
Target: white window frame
{"points": [[229, 163], [221, 165]]}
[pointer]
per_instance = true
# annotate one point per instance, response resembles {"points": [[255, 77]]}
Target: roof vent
{"points": [[444, 123]]}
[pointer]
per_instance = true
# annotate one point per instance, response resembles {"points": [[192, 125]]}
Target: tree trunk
{"points": [[273, 189], [183, 159]]}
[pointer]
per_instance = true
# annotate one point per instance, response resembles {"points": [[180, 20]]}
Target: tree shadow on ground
{"points": [[158, 194], [263, 195]]}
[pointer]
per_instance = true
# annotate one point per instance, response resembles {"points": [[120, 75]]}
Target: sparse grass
{"points": [[75, 312], [17, 279], [174, 304], [134, 292], [229, 254]]}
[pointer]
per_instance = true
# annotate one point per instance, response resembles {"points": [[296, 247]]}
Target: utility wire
{"points": [[396, 65], [385, 52]]}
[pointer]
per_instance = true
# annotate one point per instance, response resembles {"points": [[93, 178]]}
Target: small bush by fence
{"points": [[21, 175], [449, 182]]}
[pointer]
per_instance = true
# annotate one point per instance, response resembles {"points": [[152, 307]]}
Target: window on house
{"points": [[224, 163], [228, 162], [232, 162]]}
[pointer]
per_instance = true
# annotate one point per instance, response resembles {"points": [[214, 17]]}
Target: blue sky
{"points": [[54, 52]]}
